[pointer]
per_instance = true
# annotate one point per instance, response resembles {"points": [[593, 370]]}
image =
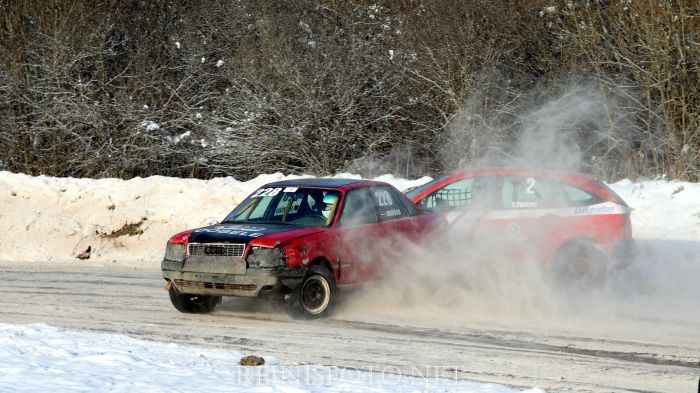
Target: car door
{"points": [[399, 228], [532, 211], [358, 229]]}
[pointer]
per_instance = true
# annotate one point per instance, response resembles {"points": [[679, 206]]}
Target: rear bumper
{"points": [[272, 282]]}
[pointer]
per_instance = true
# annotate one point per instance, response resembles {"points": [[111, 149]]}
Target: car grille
{"points": [[215, 285], [217, 249]]}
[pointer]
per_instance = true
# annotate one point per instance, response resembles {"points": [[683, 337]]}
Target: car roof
{"points": [[577, 179], [316, 182], [574, 176]]}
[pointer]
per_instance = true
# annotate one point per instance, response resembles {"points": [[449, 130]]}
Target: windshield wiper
{"points": [[275, 223]]}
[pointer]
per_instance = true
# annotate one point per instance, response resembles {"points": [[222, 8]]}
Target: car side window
{"points": [[388, 205], [409, 207], [357, 209], [530, 193], [486, 192], [453, 196], [579, 197]]}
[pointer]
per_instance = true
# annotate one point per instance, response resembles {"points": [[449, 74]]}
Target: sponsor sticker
{"points": [[242, 228], [392, 213], [245, 231], [290, 189], [519, 204], [591, 210]]}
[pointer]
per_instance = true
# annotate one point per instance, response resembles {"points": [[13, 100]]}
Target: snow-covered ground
{"points": [[38, 357], [128, 221]]}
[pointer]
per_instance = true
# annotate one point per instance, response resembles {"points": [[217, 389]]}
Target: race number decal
{"points": [[530, 184], [383, 198], [266, 192]]}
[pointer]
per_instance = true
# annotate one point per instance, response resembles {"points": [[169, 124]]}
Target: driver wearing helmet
{"points": [[330, 200]]}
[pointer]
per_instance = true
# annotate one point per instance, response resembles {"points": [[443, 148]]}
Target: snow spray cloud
{"points": [[472, 277], [578, 128]]}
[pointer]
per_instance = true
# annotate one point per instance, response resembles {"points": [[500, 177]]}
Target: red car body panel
{"points": [[544, 229], [355, 254]]}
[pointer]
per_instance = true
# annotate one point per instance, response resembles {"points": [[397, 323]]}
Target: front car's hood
{"points": [[262, 234]]}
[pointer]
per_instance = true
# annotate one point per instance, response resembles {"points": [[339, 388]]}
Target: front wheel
{"points": [[315, 296], [193, 304]]}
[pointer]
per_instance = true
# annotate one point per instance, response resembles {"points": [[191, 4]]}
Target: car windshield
{"points": [[304, 207]]}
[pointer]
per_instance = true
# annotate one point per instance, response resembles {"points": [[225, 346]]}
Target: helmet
{"points": [[329, 200]]}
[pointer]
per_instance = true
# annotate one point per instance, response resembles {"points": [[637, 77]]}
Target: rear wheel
{"points": [[315, 296], [193, 304], [581, 262]]}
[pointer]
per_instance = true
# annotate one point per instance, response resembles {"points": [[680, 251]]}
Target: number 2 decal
{"points": [[530, 184]]}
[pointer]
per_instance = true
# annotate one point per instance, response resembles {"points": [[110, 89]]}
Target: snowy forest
{"points": [[413, 87]]}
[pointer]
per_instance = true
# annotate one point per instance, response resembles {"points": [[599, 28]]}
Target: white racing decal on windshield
{"points": [[291, 189], [293, 209], [266, 192]]}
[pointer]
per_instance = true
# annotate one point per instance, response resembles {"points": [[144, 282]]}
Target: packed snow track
{"points": [[132, 302]]}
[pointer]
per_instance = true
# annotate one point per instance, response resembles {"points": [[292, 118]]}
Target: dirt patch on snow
{"points": [[129, 229]]}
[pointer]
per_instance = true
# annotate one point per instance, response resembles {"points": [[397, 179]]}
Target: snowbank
{"points": [[663, 210], [36, 357], [47, 219]]}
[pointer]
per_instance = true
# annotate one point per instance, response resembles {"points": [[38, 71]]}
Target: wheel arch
{"points": [[577, 240], [316, 271], [323, 261]]}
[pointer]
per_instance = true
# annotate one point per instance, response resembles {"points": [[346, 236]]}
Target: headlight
{"points": [[265, 257], [175, 252]]}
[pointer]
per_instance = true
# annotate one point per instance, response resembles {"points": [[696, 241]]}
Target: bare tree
{"points": [[216, 87]]}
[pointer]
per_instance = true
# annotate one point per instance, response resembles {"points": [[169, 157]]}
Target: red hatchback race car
{"points": [[572, 220], [297, 240]]}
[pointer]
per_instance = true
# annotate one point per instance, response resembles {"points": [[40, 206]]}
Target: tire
{"points": [[624, 253], [581, 262], [315, 296], [193, 304]]}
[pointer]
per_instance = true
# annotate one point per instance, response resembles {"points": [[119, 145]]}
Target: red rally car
{"points": [[572, 220], [298, 240]]}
